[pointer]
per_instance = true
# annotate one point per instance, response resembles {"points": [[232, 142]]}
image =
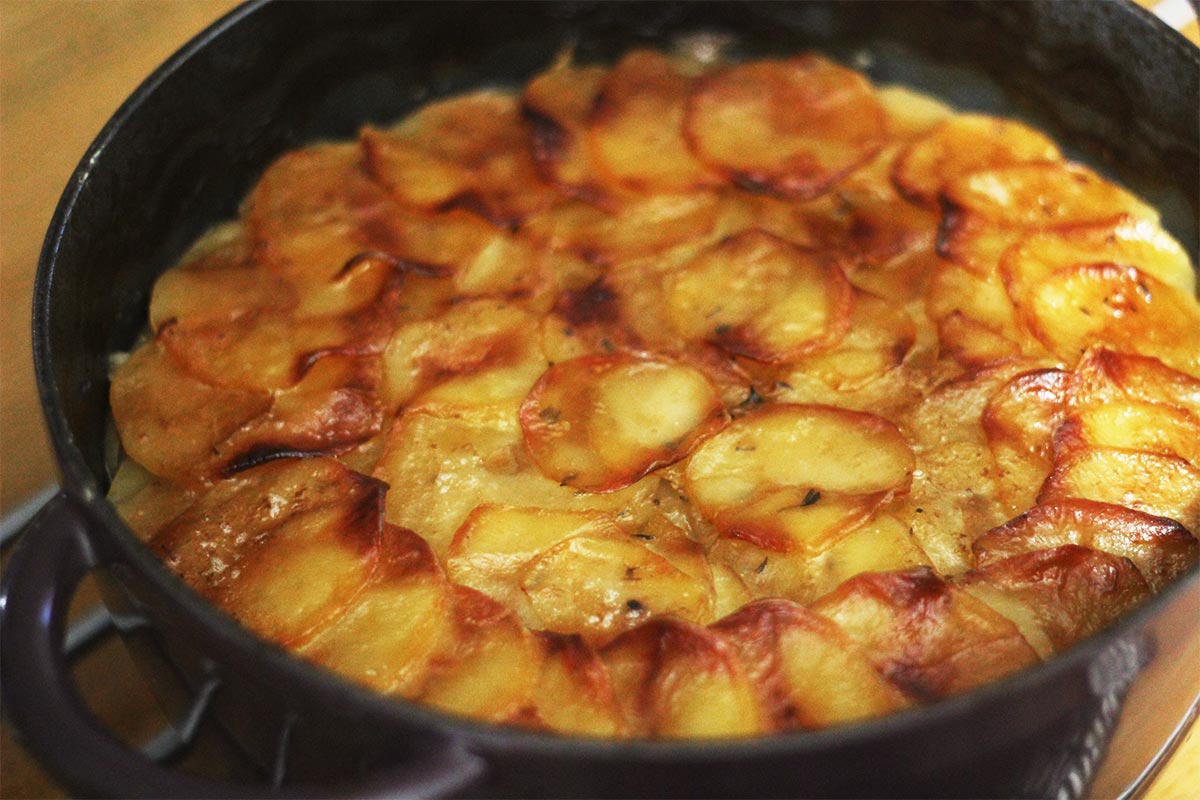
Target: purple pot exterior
{"points": [[180, 154]]}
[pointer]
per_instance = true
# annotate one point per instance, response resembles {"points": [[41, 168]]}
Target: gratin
{"points": [[672, 399]]}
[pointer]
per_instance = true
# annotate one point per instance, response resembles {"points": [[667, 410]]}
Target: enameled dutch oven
{"points": [[1107, 78]]}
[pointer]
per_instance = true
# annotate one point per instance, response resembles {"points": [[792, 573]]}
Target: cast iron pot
{"points": [[1109, 79]]}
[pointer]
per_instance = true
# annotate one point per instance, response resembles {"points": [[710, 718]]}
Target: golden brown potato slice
{"points": [[929, 638], [574, 694], [490, 669], [171, 420], [1133, 425], [388, 637], [910, 113], [284, 547], [558, 103], [962, 145], [792, 519], [1106, 376], [987, 321], [200, 295], [806, 672], [1020, 420], [880, 335], [1131, 242], [884, 544], [1043, 195], [676, 679], [636, 128], [470, 150], [600, 423], [1160, 548], [1058, 596], [791, 127], [758, 296], [1082, 306]]}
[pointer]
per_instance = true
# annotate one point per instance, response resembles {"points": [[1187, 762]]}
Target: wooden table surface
{"points": [[65, 66]]}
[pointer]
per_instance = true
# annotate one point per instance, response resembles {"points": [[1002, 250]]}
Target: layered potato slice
{"points": [[1058, 596], [284, 547], [798, 477], [636, 128], [789, 127], [928, 637], [1020, 421], [758, 296], [558, 104], [963, 144], [677, 679], [574, 693], [1160, 548], [806, 671], [600, 423]]}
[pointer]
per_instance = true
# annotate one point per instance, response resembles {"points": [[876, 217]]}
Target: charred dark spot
{"points": [[723, 330], [810, 497], [762, 565], [548, 140], [645, 537], [473, 203], [607, 346], [952, 219], [568, 478], [635, 606], [752, 399], [260, 454], [758, 184], [592, 305], [549, 414], [631, 573]]}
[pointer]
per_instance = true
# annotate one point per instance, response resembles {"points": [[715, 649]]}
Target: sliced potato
{"points": [[145, 502], [171, 420], [284, 547], [791, 128], [183, 296], [880, 335], [1057, 597], [389, 636], [884, 544], [1020, 421], [490, 669], [1133, 425], [929, 638], [558, 103], [758, 296], [675, 679], [1121, 307], [1107, 376], [1160, 548], [636, 128], [964, 144], [806, 672], [574, 694], [600, 423]]}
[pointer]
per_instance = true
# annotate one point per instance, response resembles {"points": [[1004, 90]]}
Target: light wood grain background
{"points": [[65, 66]]}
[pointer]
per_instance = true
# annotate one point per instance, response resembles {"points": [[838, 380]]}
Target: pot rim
{"points": [[83, 487]]}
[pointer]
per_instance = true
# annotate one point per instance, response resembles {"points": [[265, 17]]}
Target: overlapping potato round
{"points": [[673, 399]]}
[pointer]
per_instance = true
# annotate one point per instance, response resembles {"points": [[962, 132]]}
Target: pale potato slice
{"points": [[188, 296], [964, 144], [802, 520], [884, 544], [1020, 421], [789, 447], [388, 637], [600, 423], [1131, 242], [789, 127], [469, 337], [974, 344], [928, 637], [490, 668], [806, 672], [444, 462], [988, 319], [145, 502], [1041, 195], [1082, 306], [1161, 549], [676, 679], [910, 113], [1162, 485], [574, 693], [558, 103], [880, 335], [1057, 597], [410, 172], [598, 587], [636, 128], [496, 543], [171, 420], [284, 548], [758, 296]]}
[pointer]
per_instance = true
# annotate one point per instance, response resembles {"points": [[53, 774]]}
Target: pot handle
{"points": [[41, 700]]}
